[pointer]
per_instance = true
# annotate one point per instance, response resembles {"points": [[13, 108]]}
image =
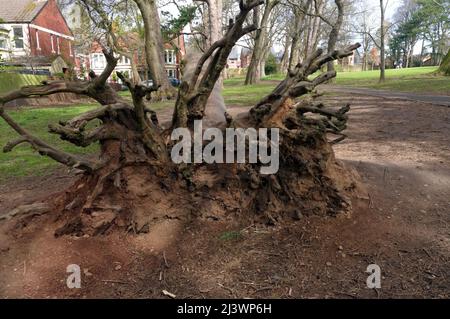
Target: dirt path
{"points": [[442, 100], [401, 149]]}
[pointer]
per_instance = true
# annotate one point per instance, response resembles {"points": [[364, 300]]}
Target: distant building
{"points": [[245, 58], [34, 33], [352, 61], [173, 55], [234, 59], [174, 52]]}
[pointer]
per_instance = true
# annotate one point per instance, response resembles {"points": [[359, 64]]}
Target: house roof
{"points": [[20, 10], [235, 54]]}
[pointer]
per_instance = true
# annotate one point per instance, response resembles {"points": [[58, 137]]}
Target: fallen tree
{"points": [[134, 182]]}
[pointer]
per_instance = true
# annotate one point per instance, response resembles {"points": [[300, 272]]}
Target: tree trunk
{"points": [[334, 34], [255, 70], [154, 47], [421, 52], [312, 38], [215, 20], [285, 59], [299, 24], [382, 45]]}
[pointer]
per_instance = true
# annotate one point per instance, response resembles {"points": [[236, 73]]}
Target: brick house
{"points": [[173, 55], [34, 33], [234, 59], [246, 56]]}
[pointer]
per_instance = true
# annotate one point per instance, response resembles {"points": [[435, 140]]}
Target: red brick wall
{"points": [[51, 18]]}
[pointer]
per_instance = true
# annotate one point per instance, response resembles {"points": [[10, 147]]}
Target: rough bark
{"points": [[255, 69], [285, 59], [299, 26], [194, 94], [382, 43], [335, 29], [154, 47]]}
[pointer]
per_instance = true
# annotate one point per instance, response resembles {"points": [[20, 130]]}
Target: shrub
{"points": [[271, 65], [445, 65]]}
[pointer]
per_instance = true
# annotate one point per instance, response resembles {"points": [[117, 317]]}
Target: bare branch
{"points": [[10, 145], [47, 150]]}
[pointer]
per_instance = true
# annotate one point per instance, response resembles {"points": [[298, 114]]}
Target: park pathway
{"points": [[442, 100]]}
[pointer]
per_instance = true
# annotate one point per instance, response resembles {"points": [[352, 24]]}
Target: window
{"points": [[3, 42], [169, 57], [18, 37], [171, 73], [53, 44], [38, 45], [70, 49], [98, 61], [125, 60], [57, 44]]}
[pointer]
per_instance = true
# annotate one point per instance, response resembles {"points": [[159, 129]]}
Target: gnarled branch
{"points": [[297, 83], [194, 94], [45, 149]]}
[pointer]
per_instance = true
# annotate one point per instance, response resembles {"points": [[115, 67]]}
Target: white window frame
{"points": [[70, 49], [125, 60], [169, 57], [58, 46], [171, 73], [100, 63], [53, 44], [6, 39], [38, 44], [20, 38]]}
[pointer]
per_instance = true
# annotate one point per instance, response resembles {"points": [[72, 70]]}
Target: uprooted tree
{"points": [[134, 183]]}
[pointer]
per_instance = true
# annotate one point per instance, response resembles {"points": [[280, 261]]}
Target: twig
{"points": [[165, 260], [168, 294], [115, 281], [231, 291]]}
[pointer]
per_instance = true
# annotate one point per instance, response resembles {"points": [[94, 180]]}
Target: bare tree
{"points": [[256, 66], [361, 26], [383, 40], [335, 25], [154, 46]]}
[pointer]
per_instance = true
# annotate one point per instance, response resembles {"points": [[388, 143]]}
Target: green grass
{"points": [[23, 160], [230, 236], [236, 93], [155, 106], [13, 81], [420, 80]]}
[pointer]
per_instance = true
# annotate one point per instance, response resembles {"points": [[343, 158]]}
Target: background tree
{"points": [[261, 42], [154, 46]]}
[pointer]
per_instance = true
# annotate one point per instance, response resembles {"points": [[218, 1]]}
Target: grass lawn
{"points": [[236, 93], [13, 81], [154, 106], [421, 80], [23, 160]]}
